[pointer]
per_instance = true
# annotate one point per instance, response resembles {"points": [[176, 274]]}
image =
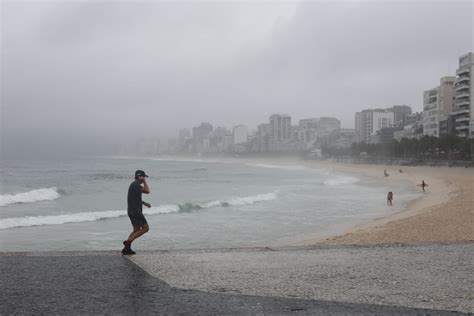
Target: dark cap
{"points": [[140, 173]]}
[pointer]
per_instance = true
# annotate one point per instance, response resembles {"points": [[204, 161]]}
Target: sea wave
{"points": [[44, 194], [28, 221], [239, 201]]}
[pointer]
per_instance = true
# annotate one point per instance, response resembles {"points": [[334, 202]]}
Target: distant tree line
{"points": [[426, 148]]}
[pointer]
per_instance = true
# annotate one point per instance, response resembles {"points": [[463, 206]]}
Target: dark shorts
{"points": [[137, 218]]}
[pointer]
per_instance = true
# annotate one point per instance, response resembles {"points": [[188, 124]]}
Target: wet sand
{"points": [[445, 212]]}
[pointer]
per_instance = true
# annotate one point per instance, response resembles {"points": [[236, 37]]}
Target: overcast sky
{"points": [[77, 71]]}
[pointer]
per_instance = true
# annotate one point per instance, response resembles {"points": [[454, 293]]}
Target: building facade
{"points": [[463, 101], [400, 113], [438, 104], [240, 133], [280, 131], [368, 122]]}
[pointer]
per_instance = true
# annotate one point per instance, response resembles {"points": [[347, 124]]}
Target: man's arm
{"points": [[145, 188]]}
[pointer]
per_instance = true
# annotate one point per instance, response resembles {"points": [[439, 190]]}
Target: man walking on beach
{"points": [[135, 211]]}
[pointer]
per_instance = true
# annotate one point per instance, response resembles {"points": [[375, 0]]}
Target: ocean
{"points": [[81, 204]]}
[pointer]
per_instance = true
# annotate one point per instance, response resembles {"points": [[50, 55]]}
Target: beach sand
{"points": [[445, 212]]}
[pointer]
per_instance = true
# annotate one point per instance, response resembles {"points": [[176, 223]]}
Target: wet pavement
{"points": [[432, 276], [106, 283]]}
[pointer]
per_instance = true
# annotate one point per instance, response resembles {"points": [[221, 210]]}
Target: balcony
{"points": [[462, 87], [462, 119], [462, 103], [460, 111], [462, 95], [462, 79], [464, 70], [462, 127]]}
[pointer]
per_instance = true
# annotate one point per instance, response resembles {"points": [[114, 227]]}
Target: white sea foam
{"points": [[253, 199], [77, 217], [45, 194], [95, 216], [57, 219], [340, 180]]}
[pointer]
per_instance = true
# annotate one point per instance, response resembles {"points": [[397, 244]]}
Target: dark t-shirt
{"points": [[134, 197]]}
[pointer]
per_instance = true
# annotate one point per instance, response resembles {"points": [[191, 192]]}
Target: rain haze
{"points": [[79, 76], [236, 157]]}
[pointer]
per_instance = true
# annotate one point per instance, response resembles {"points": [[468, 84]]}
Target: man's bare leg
{"points": [[135, 234], [135, 229]]}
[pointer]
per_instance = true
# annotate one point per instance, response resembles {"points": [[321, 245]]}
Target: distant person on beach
{"points": [[135, 211], [423, 185], [400, 170], [389, 198], [385, 173]]}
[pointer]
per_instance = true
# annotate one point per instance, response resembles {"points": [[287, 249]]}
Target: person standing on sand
{"points": [[389, 198], [423, 185], [135, 211]]}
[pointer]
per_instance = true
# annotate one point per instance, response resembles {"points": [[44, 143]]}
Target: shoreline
{"points": [[443, 214]]}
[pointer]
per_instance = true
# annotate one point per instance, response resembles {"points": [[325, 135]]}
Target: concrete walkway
{"points": [[106, 283], [426, 276]]}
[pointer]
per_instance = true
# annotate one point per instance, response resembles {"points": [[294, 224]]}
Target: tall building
{"points": [[437, 105], [430, 112], [368, 122], [201, 136], [308, 123], [463, 101], [280, 130], [412, 119], [307, 130], [240, 133], [202, 131], [400, 114], [263, 137]]}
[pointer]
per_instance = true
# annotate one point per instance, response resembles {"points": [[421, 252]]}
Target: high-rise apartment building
{"points": [[463, 101], [280, 130], [240, 133], [400, 114], [437, 105], [368, 122]]}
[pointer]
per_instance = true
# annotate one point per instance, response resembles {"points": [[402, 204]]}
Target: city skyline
{"points": [[82, 74]]}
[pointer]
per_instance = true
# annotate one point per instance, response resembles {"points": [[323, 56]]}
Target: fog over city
{"points": [[79, 76]]}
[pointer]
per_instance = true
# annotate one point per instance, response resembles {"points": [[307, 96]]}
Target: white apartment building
{"points": [[280, 130], [240, 133], [438, 103], [368, 122], [463, 101]]}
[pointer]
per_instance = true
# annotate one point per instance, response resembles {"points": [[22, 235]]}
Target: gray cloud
{"points": [[90, 72]]}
